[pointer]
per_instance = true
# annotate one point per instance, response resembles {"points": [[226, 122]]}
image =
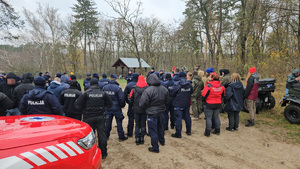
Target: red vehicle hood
{"points": [[18, 131]]}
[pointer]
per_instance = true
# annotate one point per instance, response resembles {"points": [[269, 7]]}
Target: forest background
{"points": [[233, 34]]}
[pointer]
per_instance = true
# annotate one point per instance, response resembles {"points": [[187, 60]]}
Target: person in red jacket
{"points": [[212, 94], [251, 94]]}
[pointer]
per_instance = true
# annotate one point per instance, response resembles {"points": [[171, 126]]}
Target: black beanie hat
{"points": [[94, 81], [168, 76], [39, 80], [73, 83]]}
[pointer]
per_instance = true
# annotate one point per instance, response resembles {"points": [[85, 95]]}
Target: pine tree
{"points": [[86, 20]]}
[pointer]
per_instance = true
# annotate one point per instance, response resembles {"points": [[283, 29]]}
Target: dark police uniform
{"points": [[118, 99], [39, 100], [169, 84], [130, 112], [182, 96], [93, 103]]}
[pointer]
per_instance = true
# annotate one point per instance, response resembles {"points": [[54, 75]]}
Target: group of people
{"points": [[158, 100]]}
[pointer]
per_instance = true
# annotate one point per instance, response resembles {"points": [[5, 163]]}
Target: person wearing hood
{"points": [[104, 79], [212, 94], [182, 92], [128, 76], [25, 86], [140, 116], [73, 77], [8, 88], [118, 99], [196, 96], [234, 101], [225, 77], [153, 101], [130, 112], [169, 84], [67, 99], [64, 81], [86, 81], [39, 101], [93, 103], [151, 72], [251, 94], [56, 88], [292, 79], [5, 103]]}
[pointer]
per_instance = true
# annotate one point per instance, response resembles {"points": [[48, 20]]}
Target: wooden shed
{"points": [[128, 64]]}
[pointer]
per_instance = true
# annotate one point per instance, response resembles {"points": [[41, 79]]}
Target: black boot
{"points": [[137, 141], [207, 133], [250, 123], [142, 140], [216, 131]]}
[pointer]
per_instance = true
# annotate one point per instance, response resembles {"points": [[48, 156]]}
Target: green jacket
{"points": [[291, 79], [198, 86]]}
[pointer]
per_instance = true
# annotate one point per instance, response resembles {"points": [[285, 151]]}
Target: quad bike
{"points": [[265, 99], [292, 110]]}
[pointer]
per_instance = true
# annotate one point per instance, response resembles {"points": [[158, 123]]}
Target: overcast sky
{"points": [[166, 10]]}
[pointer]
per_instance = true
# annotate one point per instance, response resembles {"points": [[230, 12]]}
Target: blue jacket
{"points": [[169, 84], [88, 85], [176, 77], [39, 101], [86, 81], [234, 95], [116, 94], [182, 92], [105, 81], [128, 77], [128, 89], [56, 89]]}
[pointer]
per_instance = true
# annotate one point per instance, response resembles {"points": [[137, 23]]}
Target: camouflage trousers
{"points": [[197, 106]]}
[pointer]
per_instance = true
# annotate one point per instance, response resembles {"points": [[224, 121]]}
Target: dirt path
{"points": [[246, 148]]}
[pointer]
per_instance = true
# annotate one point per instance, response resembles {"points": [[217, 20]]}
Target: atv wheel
{"points": [[271, 102], [292, 113]]}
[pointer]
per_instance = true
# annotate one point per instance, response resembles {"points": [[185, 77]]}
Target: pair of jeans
{"points": [[98, 123], [179, 114], [119, 118], [234, 119], [13, 112], [156, 130], [140, 125], [212, 116]]}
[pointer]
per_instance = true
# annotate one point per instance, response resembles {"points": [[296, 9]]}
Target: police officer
{"points": [[154, 100], [128, 76], [104, 79], [130, 112], [118, 99], [169, 84], [87, 80], [67, 99], [182, 96], [93, 103], [96, 76], [40, 101]]}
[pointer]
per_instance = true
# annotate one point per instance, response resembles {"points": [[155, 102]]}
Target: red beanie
{"points": [[252, 70]]}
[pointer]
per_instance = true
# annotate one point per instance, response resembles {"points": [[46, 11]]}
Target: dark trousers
{"points": [[179, 114], [156, 130], [169, 108], [130, 115], [140, 125], [234, 119], [74, 116], [212, 116], [119, 118], [98, 123]]}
